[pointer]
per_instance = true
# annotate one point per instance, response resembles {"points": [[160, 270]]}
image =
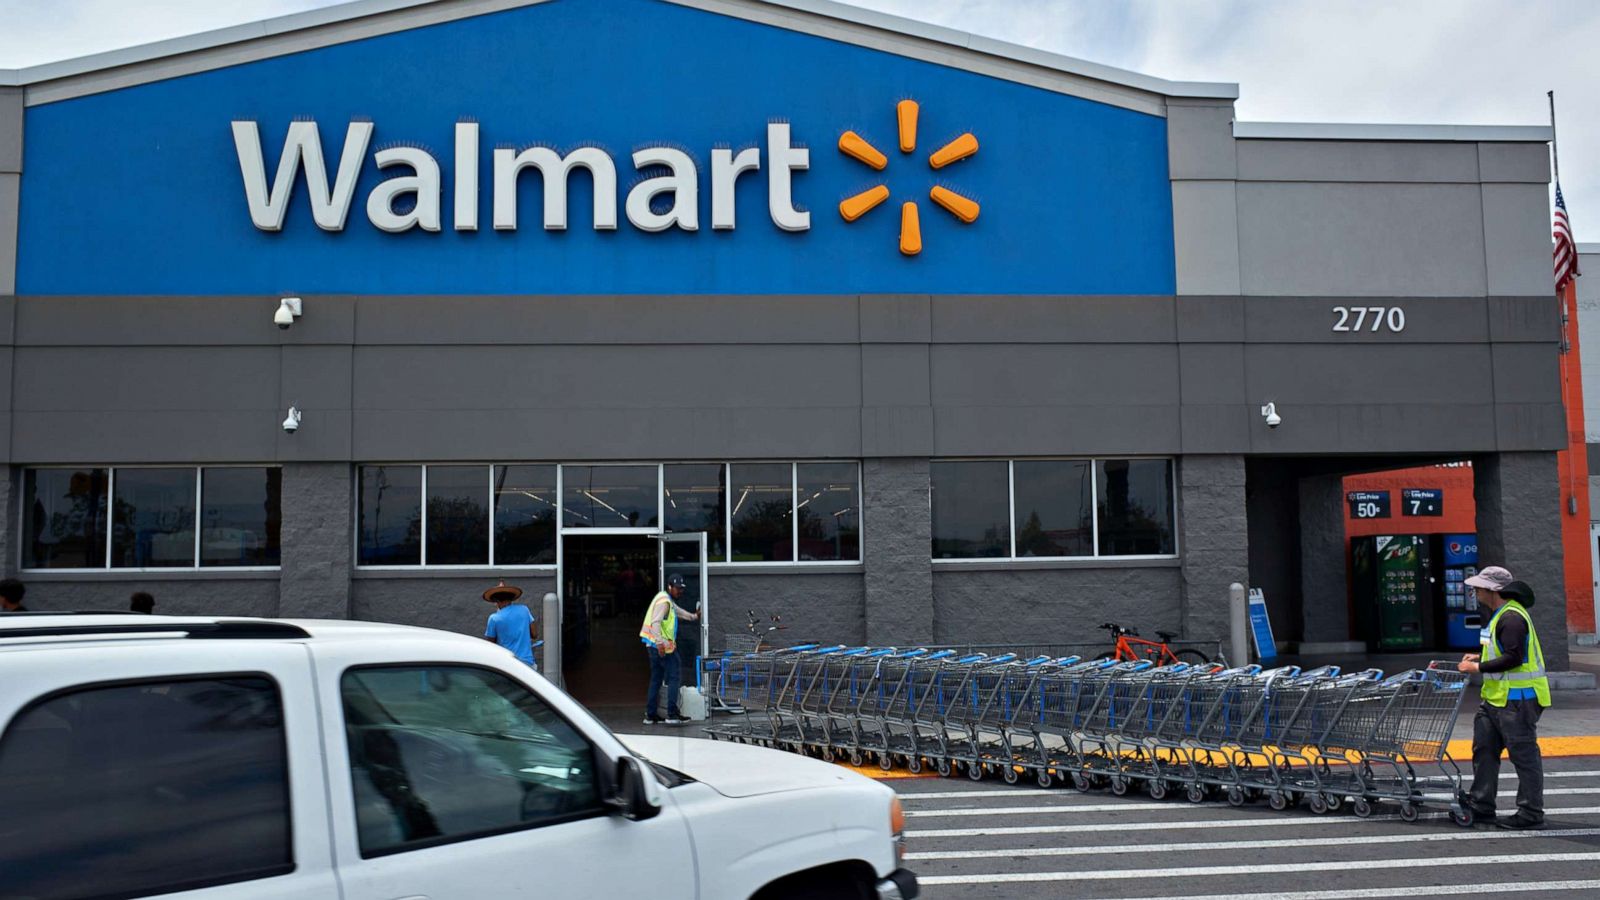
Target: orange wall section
{"points": [[1573, 466]]}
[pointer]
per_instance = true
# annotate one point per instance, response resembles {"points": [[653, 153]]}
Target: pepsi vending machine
{"points": [[1459, 554]]}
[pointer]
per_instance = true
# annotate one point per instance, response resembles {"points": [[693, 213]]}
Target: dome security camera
{"points": [[289, 309], [291, 424], [1269, 412]]}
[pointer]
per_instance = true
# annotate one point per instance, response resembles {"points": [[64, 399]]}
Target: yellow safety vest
{"points": [[669, 625], [1498, 686]]}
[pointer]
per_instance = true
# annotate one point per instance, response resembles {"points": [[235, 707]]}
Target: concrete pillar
{"points": [[10, 521], [1213, 539], [1518, 497], [317, 535], [1323, 584], [897, 549]]}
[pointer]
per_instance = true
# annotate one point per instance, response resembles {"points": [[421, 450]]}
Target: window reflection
{"points": [[391, 516], [1135, 506], [64, 518], [524, 515], [153, 515], [458, 516], [763, 500], [240, 516], [828, 511], [610, 496], [1053, 516], [693, 496], [971, 509]]}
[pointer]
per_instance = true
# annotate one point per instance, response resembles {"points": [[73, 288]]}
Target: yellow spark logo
{"points": [[858, 148]]}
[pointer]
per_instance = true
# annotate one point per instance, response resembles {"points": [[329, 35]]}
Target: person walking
{"points": [[142, 602], [11, 591], [660, 636], [511, 625], [1515, 693]]}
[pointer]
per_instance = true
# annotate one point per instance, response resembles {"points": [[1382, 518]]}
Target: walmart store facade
{"points": [[988, 365]]}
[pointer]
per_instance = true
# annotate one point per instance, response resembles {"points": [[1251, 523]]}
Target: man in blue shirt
{"points": [[511, 624]]}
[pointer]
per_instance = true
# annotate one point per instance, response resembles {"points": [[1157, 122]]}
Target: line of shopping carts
{"points": [[1322, 736]]}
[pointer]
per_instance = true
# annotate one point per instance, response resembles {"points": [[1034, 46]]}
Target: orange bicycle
{"points": [[1131, 647]]}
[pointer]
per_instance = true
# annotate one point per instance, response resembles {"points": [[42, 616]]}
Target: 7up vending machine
{"points": [[1392, 590]]}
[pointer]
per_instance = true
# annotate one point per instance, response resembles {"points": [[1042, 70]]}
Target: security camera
{"points": [[289, 309], [291, 424], [1270, 413]]}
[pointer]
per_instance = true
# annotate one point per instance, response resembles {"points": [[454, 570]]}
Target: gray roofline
{"points": [[1334, 131], [1588, 248], [827, 9]]}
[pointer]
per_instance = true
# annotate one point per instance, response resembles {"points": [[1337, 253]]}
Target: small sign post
{"points": [[1261, 626]]}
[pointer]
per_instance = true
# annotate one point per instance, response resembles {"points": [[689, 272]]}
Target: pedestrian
{"points": [[11, 591], [511, 625], [660, 636], [1515, 693], [142, 602]]}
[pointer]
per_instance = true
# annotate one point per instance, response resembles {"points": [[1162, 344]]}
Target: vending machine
{"points": [[1392, 590], [1459, 553]]}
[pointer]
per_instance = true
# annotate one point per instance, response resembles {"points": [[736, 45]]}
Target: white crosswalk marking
{"points": [[1262, 868], [1276, 820], [1528, 888]]}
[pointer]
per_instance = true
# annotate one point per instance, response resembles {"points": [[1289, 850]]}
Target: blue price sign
{"points": [[1368, 504], [1261, 626], [1417, 502]]}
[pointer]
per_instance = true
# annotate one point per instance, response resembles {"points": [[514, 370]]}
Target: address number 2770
{"points": [[1370, 318]]}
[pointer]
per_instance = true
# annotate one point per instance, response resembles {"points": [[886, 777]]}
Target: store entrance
{"points": [[606, 584]]}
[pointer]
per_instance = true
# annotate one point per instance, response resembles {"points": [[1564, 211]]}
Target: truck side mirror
{"points": [[633, 801]]}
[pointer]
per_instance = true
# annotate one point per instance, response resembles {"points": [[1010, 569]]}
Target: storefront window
{"points": [[693, 498], [64, 518], [1135, 507], [458, 516], [610, 496], [971, 509], [240, 516], [391, 516], [763, 503], [828, 511], [524, 515], [1053, 507], [152, 520]]}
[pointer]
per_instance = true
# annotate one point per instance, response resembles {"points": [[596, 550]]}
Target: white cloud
{"points": [[1448, 61]]}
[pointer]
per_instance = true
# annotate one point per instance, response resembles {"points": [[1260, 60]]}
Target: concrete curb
{"points": [[1571, 681]]}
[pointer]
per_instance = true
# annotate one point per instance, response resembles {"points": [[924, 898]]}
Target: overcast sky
{"points": [[1445, 61]]}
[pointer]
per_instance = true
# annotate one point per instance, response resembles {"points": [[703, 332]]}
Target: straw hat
{"points": [[508, 591]]}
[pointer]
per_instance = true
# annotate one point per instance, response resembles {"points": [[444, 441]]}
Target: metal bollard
{"points": [[1238, 625], [551, 664]]}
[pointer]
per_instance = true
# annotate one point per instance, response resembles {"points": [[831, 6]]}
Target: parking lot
{"points": [[970, 840]]}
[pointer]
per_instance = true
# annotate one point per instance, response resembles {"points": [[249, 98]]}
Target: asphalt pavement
{"points": [[988, 839]]}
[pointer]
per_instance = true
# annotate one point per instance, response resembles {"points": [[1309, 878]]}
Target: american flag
{"points": [[1566, 252]]}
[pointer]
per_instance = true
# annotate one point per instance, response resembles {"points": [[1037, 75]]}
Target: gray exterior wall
{"points": [[1008, 604], [10, 184], [1519, 527]]}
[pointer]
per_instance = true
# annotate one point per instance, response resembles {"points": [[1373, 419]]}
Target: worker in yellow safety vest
{"points": [[1515, 693], [660, 636]]}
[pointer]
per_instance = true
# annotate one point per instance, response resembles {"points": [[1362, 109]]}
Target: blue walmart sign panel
{"points": [[139, 191]]}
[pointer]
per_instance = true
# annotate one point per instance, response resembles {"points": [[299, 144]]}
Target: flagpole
{"points": [[1555, 153]]}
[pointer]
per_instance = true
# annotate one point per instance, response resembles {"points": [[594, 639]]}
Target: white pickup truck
{"points": [[250, 759]]}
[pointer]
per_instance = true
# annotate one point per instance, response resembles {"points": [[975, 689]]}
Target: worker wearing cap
{"points": [[660, 636], [511, 624], [1515, 693]]}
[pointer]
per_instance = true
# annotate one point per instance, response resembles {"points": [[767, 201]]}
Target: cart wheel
{"points": [[1194, 793], [975, 771], [1319, 804], [1278, 800], [1119, 785], [1334, 801], [1409, 812], [914, 765], [1158, 789], [1043, 778], [1463, 817], [942, 767], [1009, 774], [1235, 796], [1081, 782], [885, 761], [1361, 808], [855, 758]]}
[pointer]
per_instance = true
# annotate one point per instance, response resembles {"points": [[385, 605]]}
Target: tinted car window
{"points": [[443, 753], [136, 789]]}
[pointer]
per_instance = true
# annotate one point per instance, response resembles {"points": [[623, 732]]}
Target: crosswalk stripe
{"points": [[1264, 869], [1530, 888], [1279, 843], [1276, 820], [1111, 807]]}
